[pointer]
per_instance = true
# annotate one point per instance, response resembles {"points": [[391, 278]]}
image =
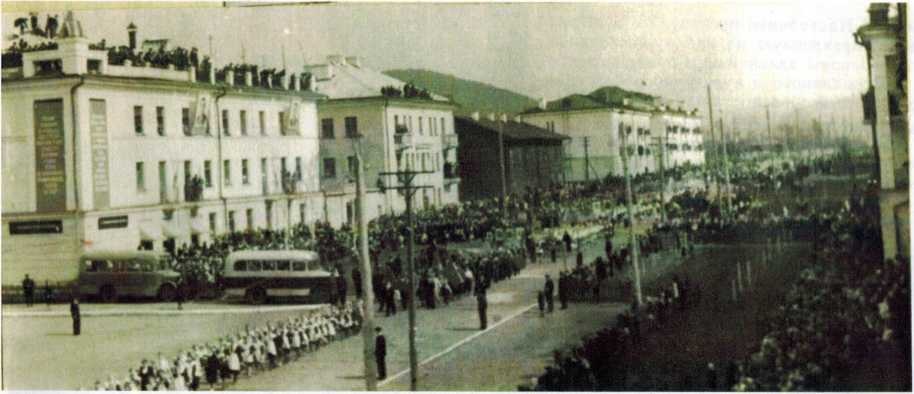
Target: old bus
{"points": [[261, 275], [114, 274]]}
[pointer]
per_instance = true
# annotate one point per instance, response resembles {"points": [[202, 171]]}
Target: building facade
{"points": [[393, 132], [885, 110], [98, 156], [532, 156], [599, 124]]}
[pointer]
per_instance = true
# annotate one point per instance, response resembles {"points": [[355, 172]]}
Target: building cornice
{"points": [[387, 101]]}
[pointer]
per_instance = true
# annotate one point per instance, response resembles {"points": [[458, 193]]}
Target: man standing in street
{"points": [[563, 289], [74, 313], [567, 240], [481, 305], [28, 290], [380, 353], [549, 289]]}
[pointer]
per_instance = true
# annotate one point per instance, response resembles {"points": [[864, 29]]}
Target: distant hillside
{"points": [[470, 95]]}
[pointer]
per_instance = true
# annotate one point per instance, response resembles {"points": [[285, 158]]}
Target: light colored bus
{"points": [[262, 275], [110, 275]]}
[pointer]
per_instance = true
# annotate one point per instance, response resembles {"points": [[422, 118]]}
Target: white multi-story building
{"points": [[395, 132], [601, 122], [99, 156]]}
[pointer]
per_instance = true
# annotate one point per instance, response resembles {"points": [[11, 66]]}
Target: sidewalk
{"points": [[147, 309]]}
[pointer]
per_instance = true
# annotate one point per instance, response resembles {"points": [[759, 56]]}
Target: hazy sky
{"points": [[751, 54]]}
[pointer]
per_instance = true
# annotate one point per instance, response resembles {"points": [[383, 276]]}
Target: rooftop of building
{"points": [[348, 78], [612, 97], [513, 130]]}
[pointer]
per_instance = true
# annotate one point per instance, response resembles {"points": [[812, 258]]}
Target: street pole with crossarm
{"points": [[406, 186]]}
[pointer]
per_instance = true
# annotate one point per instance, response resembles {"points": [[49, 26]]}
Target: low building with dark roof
{"points": [[533, 156]]}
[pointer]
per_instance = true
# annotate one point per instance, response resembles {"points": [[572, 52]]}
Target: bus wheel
{"points": [[107, 293], [256, 296], [167, 293]]}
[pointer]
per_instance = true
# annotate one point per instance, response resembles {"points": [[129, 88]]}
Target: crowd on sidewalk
{"points": [[220, 363]]}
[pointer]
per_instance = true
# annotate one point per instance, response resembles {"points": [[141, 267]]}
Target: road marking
{"points": [[166, 312], [458, 344]]}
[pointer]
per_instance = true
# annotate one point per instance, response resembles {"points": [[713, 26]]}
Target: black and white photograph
{"points": [[455, 196]]}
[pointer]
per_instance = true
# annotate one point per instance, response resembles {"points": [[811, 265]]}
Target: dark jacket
{"points": [[380, 346], [74, 310], [549, 289]]}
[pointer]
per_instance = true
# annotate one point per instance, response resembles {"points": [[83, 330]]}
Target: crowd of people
{"points": [[220, 363], [598, 361]]}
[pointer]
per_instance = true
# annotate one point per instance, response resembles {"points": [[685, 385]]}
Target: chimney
{"points": [[503, 118], [475, 115], [354, 61], [491, 116], [542, 103], [131, 35]]}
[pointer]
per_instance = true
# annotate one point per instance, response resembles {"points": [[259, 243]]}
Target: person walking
{"points": [[549, 290], [74, 313], [563, 289], [481, 305], [380, 353], [28, 290], [567, 240], [541, 302]]}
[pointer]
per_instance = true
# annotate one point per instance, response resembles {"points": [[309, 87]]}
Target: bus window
{"points": [[240, 265], [269, 265], [101, 266], [149, 266], [254, 266], [299, 266], [134, 266], [282, 265]]}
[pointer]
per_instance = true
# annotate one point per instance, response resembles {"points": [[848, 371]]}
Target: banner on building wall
{"points": [[50, 176], [98, 135], [293, 118], [36, 227], [112, 222], [201, 115]]}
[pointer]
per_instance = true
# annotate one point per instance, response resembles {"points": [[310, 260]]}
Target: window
{"points": [[299, 266], [282, 265], [160, 120], [282, 123], [262, 119], [329, 168], [298, 172], [226, 173], [225, 123], [352, 127], [396, 120], [94, 66], [249, 218], [353, 165], [212, 222], [442, 126], [282, 165], [138, 119], [231, 218], [140, 177], [187, 172], [244, 172], [327, 128], [241, 265], [208, 173], [301, 213], [185, 120], [243, 118], [420, 126]]}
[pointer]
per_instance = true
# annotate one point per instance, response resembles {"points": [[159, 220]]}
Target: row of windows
{"points": [[140, 171], [351, 124], [271, 265], [187, 123], [434, 126], [419, 161]]}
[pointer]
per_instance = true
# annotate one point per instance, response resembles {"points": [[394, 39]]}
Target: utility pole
{"points": [[586, 159], [662, 141], [501, 164], [726, 163], [405, 178], [768, 123], [367, 289], [631, 219], [711, 124]]}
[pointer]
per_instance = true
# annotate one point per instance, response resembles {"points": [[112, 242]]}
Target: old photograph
{"points": [[455, 196]]}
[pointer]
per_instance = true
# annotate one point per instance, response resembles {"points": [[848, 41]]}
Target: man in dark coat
{"points": [[28, 290], [481, 305], [567, 240], [549, 290], [74, 313], [380, 353]]}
